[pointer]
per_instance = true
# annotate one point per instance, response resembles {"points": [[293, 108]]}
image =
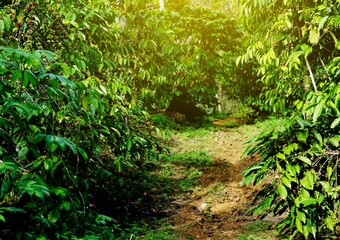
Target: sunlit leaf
{"points": [[307, 181], [2, 25], [302, 135], [334, 140], [305, 160], [335, 123], [282, 191], [318, 110], [314, 36], [54, 215]]}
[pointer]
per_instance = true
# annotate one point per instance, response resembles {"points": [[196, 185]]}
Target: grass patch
{"points": [[191, 158], [192, 132], [273, 124], [164, 232], [232, 124], [256, 230], [216, 188], [190, 182]]}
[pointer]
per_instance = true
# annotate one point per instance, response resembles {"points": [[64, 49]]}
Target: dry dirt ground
{"points": [[216, 209]]}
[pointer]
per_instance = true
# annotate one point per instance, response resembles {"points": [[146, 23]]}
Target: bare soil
{"points": [[216, 209]]}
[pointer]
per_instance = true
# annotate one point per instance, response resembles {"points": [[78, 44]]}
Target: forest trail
{"points": [[216, 208]]}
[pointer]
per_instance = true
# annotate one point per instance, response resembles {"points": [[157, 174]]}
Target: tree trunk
{"points": [[219, 96]]}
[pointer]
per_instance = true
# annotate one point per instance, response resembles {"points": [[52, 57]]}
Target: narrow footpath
{"points": [[216, 209]]}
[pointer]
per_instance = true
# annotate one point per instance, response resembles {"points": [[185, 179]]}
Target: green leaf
{"points": [[2, 218], [303, 123], [48, 163], [82, 153], [58, 140], [48, 54], [282, 191], [309, 201], [66, 82], [22, 150], [318, 136], [298, 225], [301, 216], [128, 145], [318, 110], [29, 77], [335, 122], [71, 145], [327, 187], [102, 90], [329, 172], [12, 209], [62, 79], [290, 148], [331, 223], [59, 191], [302, 136], [334, 140], [281, 156], [39, 137], [81, 64], [54, 215], [56, 164], [103, 219], [306, 49], [308, 181], [70, 16], [7, 21], [314, 35], [286, 182], [2, 25], [66, 206], [4, 166], [247, 180], [322, 22], [5, 186], [305, 160], [27, 108]]}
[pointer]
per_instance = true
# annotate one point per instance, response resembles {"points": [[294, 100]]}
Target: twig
{"points": [[311, 75]]}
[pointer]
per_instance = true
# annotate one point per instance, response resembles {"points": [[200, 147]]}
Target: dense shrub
{"points": [[300, 165], [65, 147]]}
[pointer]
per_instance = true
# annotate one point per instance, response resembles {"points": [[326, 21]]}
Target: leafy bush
{"points": [[163, 122], [69, 150], [304, 158]]}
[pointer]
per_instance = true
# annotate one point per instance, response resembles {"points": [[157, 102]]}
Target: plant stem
{"points": [[311, 75]]}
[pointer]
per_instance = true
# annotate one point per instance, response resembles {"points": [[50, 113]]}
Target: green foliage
{"points": [[304, 160], [286, 49], [297, 75], [163, 122], [181, 50], [66, 146]]}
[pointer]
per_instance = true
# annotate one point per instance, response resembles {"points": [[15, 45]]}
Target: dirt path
{"points": [[217, 208]]}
